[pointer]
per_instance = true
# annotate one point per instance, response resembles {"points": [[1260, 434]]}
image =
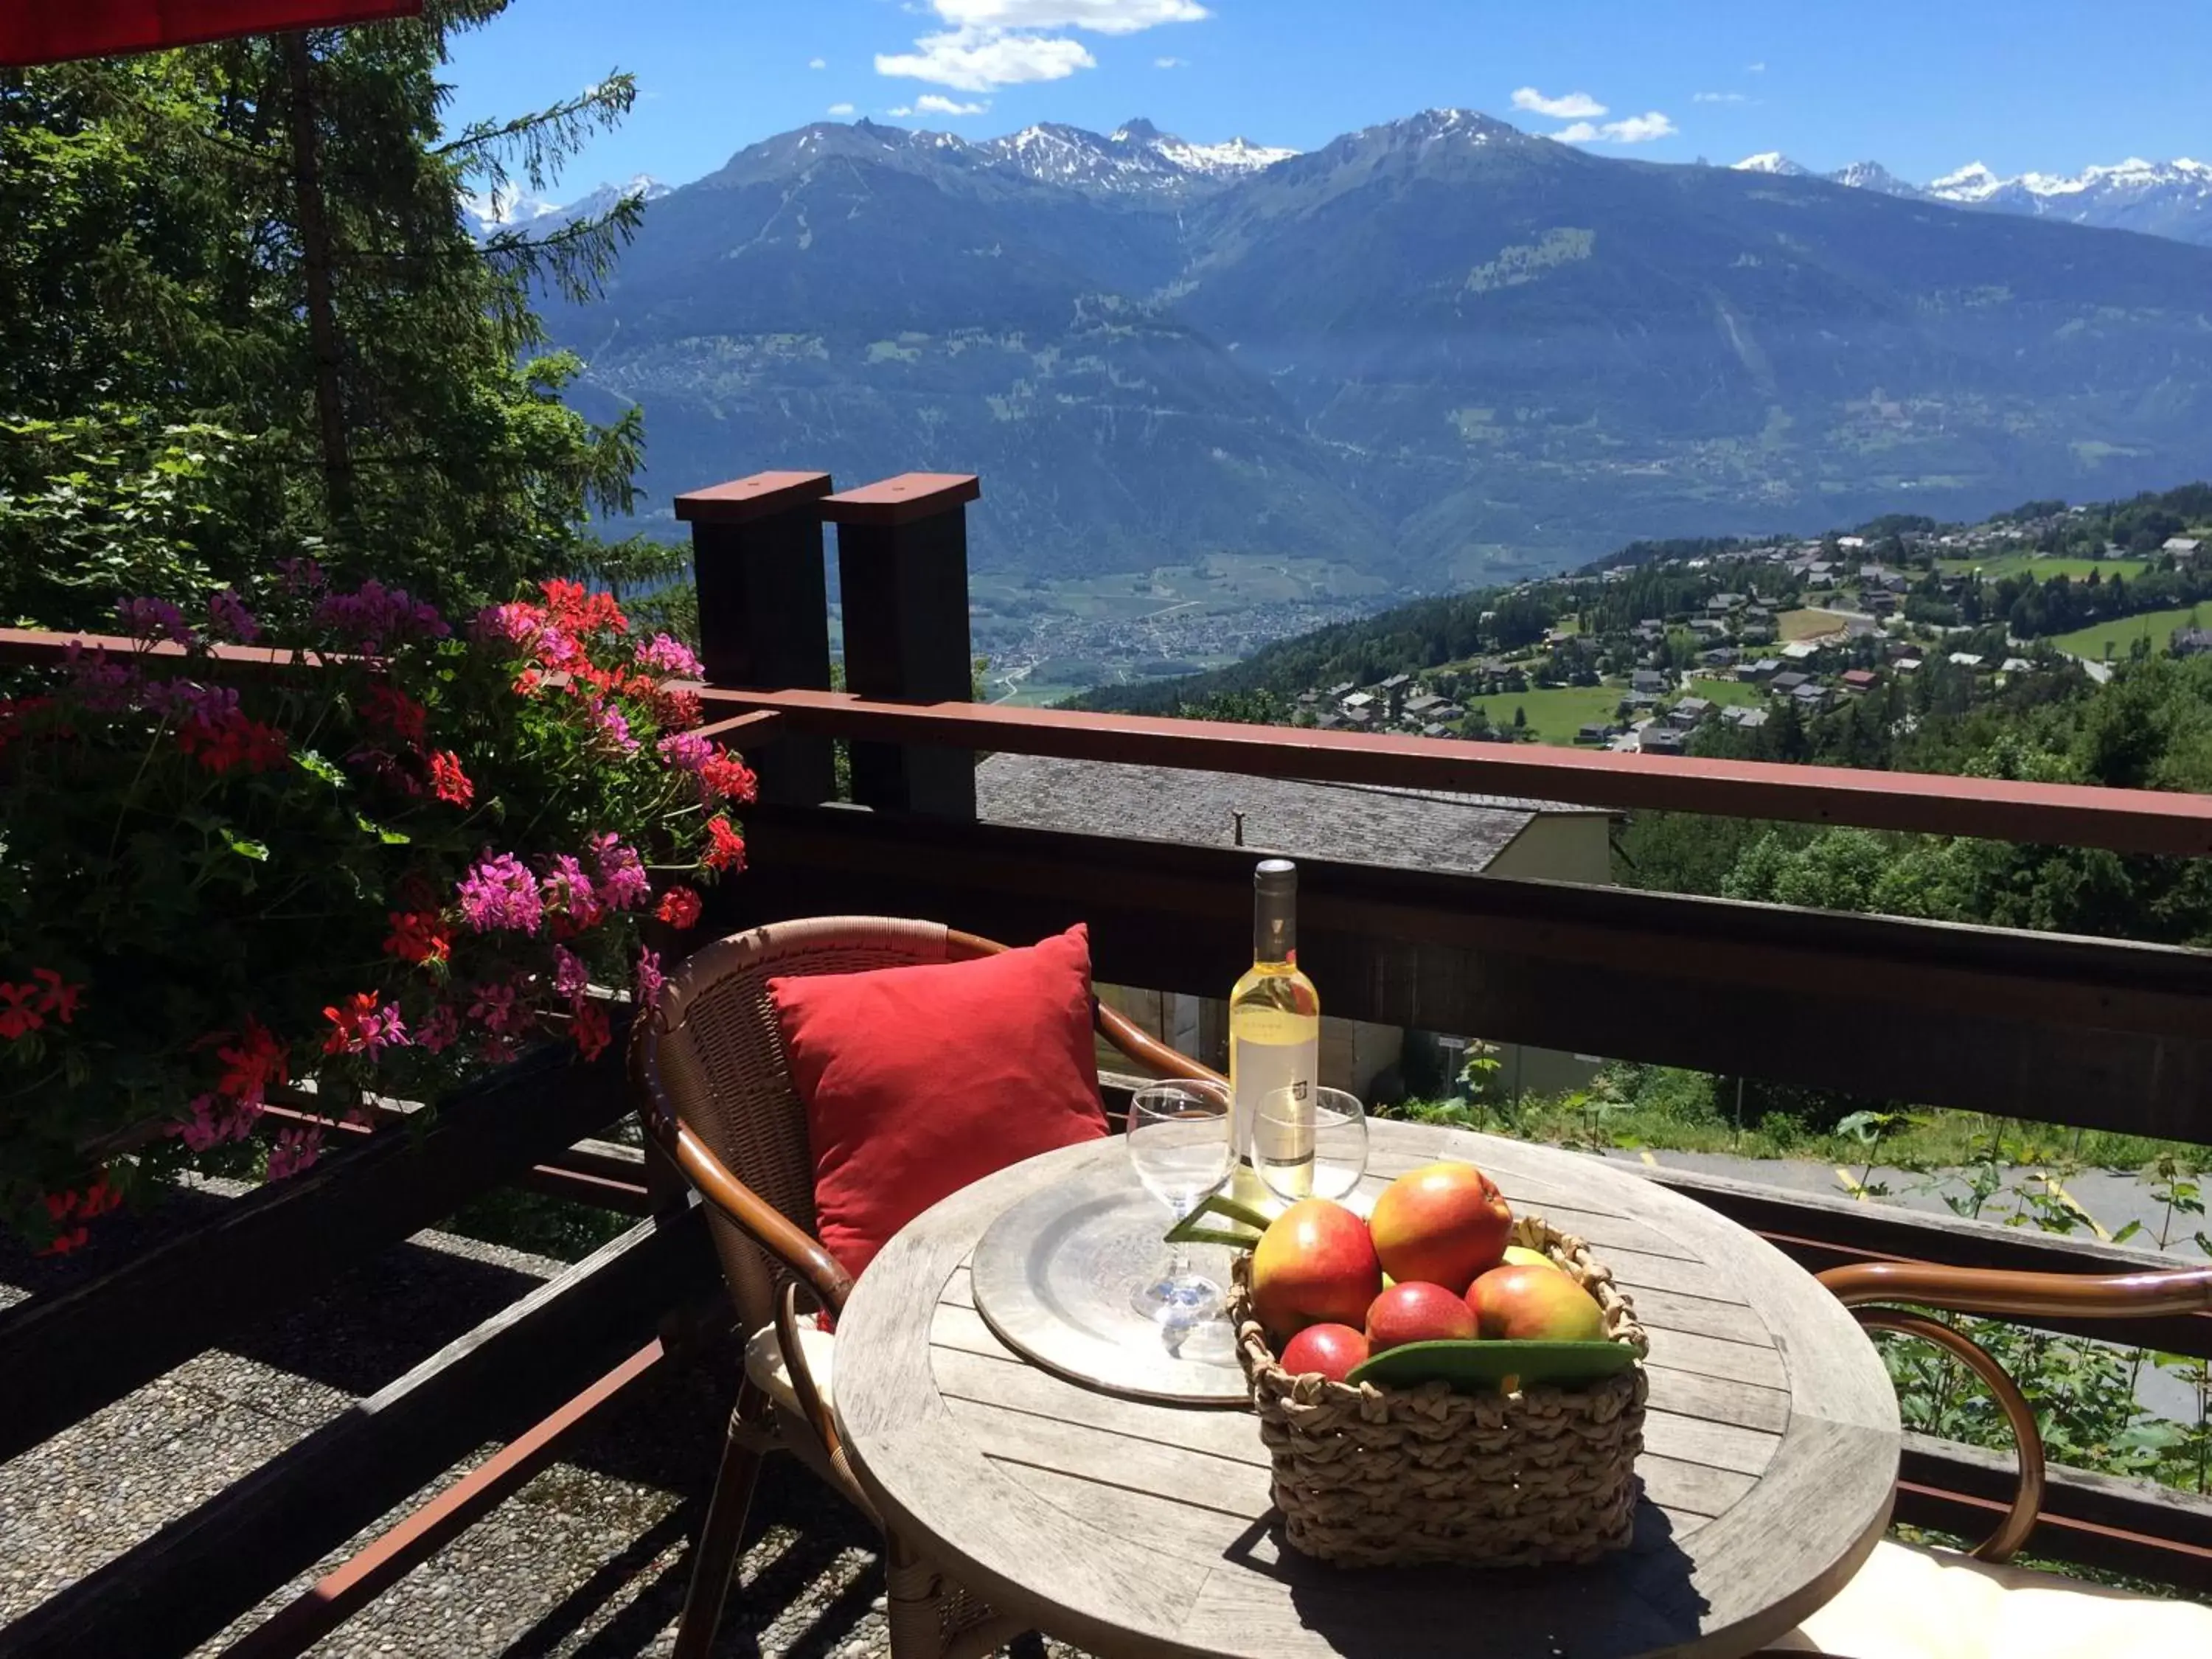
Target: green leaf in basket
{"points": [[1484, 1367], [1191, 1230]]}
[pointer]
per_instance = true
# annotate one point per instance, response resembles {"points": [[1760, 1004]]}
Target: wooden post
{"points": [[764, 609], [903, 573]]}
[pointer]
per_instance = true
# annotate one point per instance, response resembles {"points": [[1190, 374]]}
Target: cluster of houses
{"points": [[1734, 636], [1396, 704]]}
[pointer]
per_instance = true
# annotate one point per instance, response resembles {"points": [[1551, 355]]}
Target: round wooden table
{"points": [[1131, 1529]]}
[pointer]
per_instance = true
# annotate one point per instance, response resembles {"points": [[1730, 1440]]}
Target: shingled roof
{"points": [[1359, 823]]}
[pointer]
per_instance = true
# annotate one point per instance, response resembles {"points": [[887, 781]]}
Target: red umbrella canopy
{"points": [[49, 31]]}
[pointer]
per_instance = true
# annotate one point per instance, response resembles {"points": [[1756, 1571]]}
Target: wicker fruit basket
{"points": [[1376, 1476]]}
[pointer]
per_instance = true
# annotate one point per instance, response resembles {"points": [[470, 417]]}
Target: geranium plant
{"points": [[392, 852]]}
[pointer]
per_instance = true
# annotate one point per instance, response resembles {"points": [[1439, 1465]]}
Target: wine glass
{"points": [[1310, 1142], [1180, 1146]]}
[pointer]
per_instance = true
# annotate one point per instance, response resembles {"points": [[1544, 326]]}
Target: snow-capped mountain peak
{"points": [[1971, 183], [1135, 158], [1238, 155], [2159, 198], [1872, 175], [1772, 160], [510, 207]]}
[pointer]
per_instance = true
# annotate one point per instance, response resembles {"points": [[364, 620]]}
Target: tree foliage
{"points": [[240, 316]]}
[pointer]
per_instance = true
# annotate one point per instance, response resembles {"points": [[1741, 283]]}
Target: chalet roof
{"points": [[1359, 824]]}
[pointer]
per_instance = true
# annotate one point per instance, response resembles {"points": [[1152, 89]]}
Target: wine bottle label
{"points": [[1261, 1061]]}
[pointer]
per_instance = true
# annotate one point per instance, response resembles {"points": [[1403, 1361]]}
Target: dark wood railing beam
{"points": [[903, 577], [2075, 815], [2034, 1026], [763, 605]]}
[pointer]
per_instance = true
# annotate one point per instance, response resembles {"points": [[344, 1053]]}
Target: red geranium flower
{"points": [[56, 998], [727, 850], [253, 1061], [679, 908], [418, 937], [576, 610], [727, 776], [359, 1026], [395, 712], [19, 1011], [232, 740], [447, 782], [590, 1031]]}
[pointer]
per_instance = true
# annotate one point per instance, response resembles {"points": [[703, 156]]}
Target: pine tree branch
{"points": [[538, 143]]}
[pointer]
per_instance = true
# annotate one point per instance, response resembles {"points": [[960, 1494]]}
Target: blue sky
{"points": [[2046, 85]]}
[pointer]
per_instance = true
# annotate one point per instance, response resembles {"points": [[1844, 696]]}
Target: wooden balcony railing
{"points": [[2100, 1033]]}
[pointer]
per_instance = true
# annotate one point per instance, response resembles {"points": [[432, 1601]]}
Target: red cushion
{"points": [[919, 1080]]}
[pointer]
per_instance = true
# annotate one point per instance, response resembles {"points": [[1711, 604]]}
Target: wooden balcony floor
{"points": [[588, 1559]]}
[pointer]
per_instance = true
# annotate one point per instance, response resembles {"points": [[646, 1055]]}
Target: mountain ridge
{"points": [[1433, 347], [2171, 200]]}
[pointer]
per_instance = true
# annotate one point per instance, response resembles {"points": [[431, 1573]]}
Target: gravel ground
{"points": [[589, 1558]]}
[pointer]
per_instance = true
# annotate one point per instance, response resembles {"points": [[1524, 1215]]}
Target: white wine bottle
{"points": [[1274, 1022]]}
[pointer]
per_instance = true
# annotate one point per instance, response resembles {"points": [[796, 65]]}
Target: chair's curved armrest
{"points": [[2002, 1292], [760, 1220], [1147, 1050], [796, 1367]]}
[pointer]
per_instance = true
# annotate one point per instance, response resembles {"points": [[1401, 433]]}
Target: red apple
{"points": [[1314, 1265], [1332, 1350], [1529, 1302], [1415, 1312], [1442, 1224]]}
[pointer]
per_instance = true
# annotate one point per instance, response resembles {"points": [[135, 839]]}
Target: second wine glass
{"points": [[1309, 1143]]}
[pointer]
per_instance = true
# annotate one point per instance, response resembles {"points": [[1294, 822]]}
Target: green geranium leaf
{"points": [[320, 766], [246, 848]]}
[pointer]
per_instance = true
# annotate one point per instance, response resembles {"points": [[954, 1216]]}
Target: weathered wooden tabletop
{"points": [[1128, 1528]]}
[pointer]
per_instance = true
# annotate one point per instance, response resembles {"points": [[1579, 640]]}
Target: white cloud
{"points": [[989, 44], [931, 103], [1759, 68], [1574, 107], [841, 109], [1170, 63], [899, 113], [1632, 129], [1099, 17], [817, 63], [1718, 98], [981, 60]]}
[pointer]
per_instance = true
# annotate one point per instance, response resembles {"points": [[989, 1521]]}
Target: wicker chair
{"points": [[715, 1091], [1913, 1604]]}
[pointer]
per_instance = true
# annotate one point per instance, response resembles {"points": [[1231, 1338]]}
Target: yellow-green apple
{"points": [[1520, 1255], [1415, 1312], [1315, 1264], [1440, 1224], [1332, 1350], [1522, 1302]]}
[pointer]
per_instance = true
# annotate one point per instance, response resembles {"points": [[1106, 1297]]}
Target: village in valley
{"points": [[1728, 651]]}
